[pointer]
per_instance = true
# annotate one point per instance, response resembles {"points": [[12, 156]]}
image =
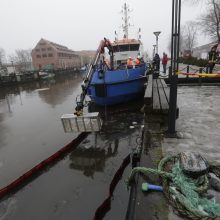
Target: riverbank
{"points": [[33, 76]]}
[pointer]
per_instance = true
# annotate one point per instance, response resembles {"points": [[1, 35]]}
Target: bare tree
{"points": [[23, 58], [190, 31], [13, 59], [181, 41], [210, 20], [195, 2]]}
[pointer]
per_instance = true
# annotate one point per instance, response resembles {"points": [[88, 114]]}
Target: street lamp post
{"points": [[154, 50], [157, 33]]}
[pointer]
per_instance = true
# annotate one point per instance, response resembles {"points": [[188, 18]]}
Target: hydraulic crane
{"points": [[89, 122], [101, 49]]}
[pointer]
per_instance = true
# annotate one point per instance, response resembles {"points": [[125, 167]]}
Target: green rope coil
{"points": [[182, 191]]}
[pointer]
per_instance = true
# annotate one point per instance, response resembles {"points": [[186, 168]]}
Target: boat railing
{"points": [[103, 67], [125, 66]]}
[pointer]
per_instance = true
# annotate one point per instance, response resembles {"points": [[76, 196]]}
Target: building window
{"points": [[43, 49], [37, 50], [38, 56], [49, 48], [44, 55], [42, 44], [50, 55]]}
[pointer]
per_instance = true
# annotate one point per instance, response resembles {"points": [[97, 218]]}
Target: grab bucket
{"points": [[85, 123]]}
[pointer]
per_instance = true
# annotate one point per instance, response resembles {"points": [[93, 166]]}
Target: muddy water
{"points": [[30, 131]]}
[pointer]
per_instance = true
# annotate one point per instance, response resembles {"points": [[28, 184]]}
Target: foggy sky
{"points": [[80, 25]]}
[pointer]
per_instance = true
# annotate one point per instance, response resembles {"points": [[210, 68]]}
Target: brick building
{"points": [[49, 55]]}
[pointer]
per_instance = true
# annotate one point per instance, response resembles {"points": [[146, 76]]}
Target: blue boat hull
{"points": [[117, 86]]}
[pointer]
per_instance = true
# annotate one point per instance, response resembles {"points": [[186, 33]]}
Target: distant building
{"points": [[202, 51], [186, 54], [86, 56], [49, 55]]}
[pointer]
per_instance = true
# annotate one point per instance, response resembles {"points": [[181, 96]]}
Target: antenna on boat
{"points": [[116, 35], [125, 10], [139, 33]]}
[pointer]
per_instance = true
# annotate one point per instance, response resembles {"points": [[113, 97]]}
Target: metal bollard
{"points": [[170, 72], [187, 70], [207, 69], [200, 78]]}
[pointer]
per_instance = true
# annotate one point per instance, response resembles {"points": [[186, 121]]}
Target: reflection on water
{"points": [[31, 131], [92, 159], [3, 130], [30, 122], [92, 153], [57, 93], [53, 91]]}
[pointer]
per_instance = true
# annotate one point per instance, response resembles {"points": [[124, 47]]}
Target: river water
{"points": [[31, 131]]}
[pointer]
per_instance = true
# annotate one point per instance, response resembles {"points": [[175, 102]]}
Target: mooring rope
{"points": [[23, 179], [183, 192]]}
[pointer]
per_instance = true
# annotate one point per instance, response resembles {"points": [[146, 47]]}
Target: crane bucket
{"points": [[83, 123]]}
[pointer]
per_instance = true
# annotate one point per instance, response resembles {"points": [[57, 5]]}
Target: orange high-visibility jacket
{"points": [[137, 61], [129, 62]]}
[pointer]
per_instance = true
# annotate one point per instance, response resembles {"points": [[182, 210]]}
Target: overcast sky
{"points": [[80, 25]]}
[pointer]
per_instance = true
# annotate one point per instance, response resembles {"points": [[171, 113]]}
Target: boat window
{"points": [[124, 47], [134, 47], [115, 48]]}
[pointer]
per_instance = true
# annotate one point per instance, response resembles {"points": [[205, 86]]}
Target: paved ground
{"points": [[198, 131]]}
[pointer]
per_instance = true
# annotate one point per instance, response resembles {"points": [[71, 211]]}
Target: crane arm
{"points": [[101, 49]]}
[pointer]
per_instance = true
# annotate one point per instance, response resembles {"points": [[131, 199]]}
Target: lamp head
{"points": [[157, 33]]}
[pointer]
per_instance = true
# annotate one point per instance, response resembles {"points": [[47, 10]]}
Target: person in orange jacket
{"points": [[129, 61], [137, 61]]}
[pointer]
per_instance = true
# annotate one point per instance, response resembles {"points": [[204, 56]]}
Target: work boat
{"points": [[109, 79], [116, 82]]}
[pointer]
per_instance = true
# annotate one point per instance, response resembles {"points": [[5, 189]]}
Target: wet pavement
{"points": [[197, 131], [198, 125]]}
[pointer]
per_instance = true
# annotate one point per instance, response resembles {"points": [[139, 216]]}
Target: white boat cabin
{"points": [[123, 49]]}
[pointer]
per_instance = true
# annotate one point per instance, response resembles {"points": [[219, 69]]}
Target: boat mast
{"points": [[125, 17]]}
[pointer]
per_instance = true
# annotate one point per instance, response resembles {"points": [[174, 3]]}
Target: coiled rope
{"points": [[184, 193]]}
